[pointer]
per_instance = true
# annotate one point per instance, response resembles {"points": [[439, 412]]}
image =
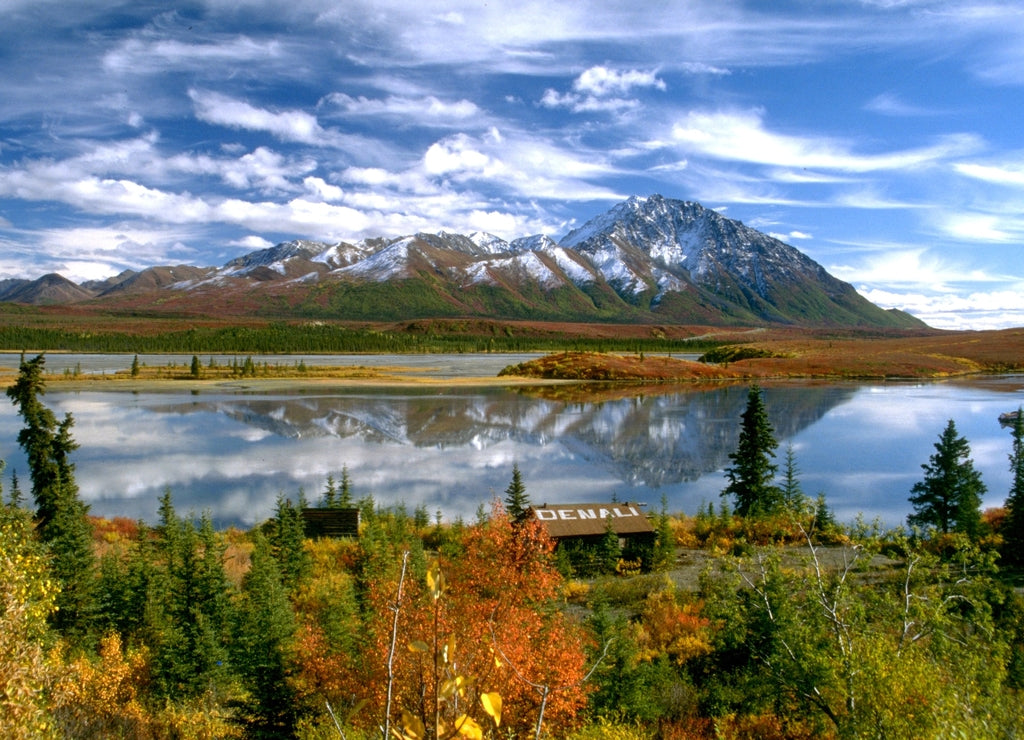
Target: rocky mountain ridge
{"points": [[645, 260]]}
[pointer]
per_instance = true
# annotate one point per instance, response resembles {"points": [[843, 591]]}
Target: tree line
{"points": [[320, 338]]}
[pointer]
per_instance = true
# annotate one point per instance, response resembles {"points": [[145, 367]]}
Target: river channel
{"points": [[450, 448]]}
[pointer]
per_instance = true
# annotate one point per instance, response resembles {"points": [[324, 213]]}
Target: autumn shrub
{"points": [[607, 729], [196, 719], [628, 593], [576, 592], [765, 726], [102, 697], [673, 627], [684, 533], [114, 530], [327, 598], [27, 596]]}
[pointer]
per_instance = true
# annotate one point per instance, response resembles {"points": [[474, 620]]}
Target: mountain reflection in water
{"points": [[452, 450], [653, 440]]}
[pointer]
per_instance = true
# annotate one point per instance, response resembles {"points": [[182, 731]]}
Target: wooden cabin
{"points": [[332, 522], [589, 522]]}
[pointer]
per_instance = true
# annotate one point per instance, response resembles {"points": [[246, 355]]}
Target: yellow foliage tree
{"points": [[100, 698], [27, 595]]}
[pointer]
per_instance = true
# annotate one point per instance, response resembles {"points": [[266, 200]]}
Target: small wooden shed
{"points": [[589, 522], [334, 522]]}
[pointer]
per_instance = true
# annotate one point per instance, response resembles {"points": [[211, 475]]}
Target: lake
{"points": [[232, 450]]}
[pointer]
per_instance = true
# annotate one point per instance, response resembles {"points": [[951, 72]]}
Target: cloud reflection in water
{"points": [[233, 454]]}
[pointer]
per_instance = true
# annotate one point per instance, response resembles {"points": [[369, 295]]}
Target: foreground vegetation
{"points": [[786, 632], [766, 620]]}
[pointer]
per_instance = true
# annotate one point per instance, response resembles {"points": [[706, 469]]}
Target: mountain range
{"points": [[650, 259]]}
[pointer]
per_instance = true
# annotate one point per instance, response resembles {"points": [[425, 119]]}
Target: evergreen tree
{"points": [[189, 614], [609, 550], [1013, 529], [345, 489], [752, 472], [195, 370], [665, 548], [824, 519], [15, 498], [124, 588], [793, 497], [61, 517], [263, 637], [288, 542], [516, 499], [420, 517], [949, 497], [330, 497], [135, 367]]}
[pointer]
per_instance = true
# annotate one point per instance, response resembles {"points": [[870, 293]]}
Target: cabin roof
{"points": [[587, 520]]}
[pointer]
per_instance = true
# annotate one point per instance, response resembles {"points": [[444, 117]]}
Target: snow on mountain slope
{"points": [[572, 265], [344, 254], [532, 243], [525, 267], [275, 258], [387, 263], [489, 243]]}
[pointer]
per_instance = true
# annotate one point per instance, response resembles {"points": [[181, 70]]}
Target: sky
{"points": [[883, 138]]}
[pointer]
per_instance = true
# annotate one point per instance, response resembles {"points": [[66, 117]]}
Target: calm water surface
{"points": [[232, 451]]}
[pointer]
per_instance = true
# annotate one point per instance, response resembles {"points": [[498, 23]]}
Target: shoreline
{"points": [[133, 385]]}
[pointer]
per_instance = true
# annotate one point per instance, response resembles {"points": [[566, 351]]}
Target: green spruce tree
{"points": [[263, 636], [793, 498], [61, 516], [1013, 528], [345, 489], [949, 496], [15, 499], [609, 549], [752, 470], [288, 542], [516, 499], [665, 545], [329, 500], [189, 615], [824, 520]]}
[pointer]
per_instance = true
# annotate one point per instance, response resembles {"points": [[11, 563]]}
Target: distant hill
{"points": [[46, 290], [646, 260]]}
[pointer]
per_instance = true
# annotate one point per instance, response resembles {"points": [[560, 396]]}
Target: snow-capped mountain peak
{"points": [[647, 258]]}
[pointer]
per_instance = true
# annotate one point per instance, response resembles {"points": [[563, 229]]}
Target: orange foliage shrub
{"points": [[118, 529], [322, 672], [669, 628], [495, 621]]}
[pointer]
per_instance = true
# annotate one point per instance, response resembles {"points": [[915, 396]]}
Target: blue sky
{"points": [[884, 138]]}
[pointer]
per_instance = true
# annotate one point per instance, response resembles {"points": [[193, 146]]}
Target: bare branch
{"points": [[396, 608]]}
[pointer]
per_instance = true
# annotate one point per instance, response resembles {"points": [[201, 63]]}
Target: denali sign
{"points": [[574, 514], [593, 519]]}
